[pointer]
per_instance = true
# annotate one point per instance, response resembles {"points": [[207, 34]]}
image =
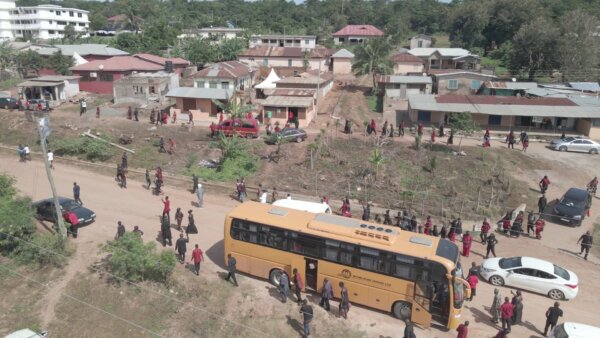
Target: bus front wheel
{"points": [[275, 276], [402, 310]]}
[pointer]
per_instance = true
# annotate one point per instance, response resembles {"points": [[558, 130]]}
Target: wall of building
{"points": [[283, 62], [279, 114], [41, 22], [350, 39], [424, 43], [233, 83], [402, 90], [406, 68], [342, 66], [71, 87], [203, 105], [464, 84], [298, 43], [97, 86]]}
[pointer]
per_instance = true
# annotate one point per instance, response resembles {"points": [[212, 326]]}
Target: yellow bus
{"points": [[408, 274]]}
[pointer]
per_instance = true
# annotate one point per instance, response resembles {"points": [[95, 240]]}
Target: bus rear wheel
{"points": [[275, 276], [402, 310]]}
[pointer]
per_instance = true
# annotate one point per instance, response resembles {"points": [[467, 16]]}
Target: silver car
{"points": [[575, 144]]}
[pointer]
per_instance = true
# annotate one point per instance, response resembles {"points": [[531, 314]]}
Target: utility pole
{"points": [[318, 91], [44, 131]]}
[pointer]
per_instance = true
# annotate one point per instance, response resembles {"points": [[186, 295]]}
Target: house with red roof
{"points": [[407, 64], [98, 76], [353, 34], [225, 75]]}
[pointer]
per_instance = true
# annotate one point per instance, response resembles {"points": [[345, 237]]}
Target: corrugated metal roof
{"points": [[39, 84], [509, 85], [83, 50], [289, 52], [405, 79], [585, 86], [446, 52], [359, 30], [287, 101], [504, 100], [302, 80], [289, 92], [343, 53], [429, 103], [281, 36], [406, 57], [201, 93], [228, 69]]}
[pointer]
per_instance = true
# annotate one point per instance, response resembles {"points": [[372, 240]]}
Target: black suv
{"points": [[9, 103], [573, 206]]}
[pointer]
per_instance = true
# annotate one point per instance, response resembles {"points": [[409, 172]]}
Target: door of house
{"points": [[189, 104]]}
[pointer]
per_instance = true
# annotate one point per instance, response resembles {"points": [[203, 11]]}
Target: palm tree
{"points": [[372, 58], [376, 159], [234, 108]]}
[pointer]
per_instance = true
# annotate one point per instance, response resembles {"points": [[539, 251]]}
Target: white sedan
{"points": [[531, 274]]}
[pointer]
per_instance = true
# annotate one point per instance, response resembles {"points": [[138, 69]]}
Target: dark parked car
{"points": [[45, 210], [9, 103], [572, 207], [288, 135]]}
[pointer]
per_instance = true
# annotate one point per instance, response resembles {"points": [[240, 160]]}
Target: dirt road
{"points": [[137, 206]]}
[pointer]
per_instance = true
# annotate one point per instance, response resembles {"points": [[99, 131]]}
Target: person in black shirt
{"points": [[307, 314], [181, 247], [586, 243], [491, 245], [231, 263], [409, 331], [552, 315], [542, 202]]}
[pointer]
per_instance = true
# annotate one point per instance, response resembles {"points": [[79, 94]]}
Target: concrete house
{"points": [[98, 76], [212, 33], [353, 34], [57, 88], [341, 62], [405, 63], [447, 58], [420, 41], [502, 88], [323, 83], [505, 112], [175, 65], [225, 75], [144, 88], [458, 82], [199, 102], [274, 57], [279, 40]]}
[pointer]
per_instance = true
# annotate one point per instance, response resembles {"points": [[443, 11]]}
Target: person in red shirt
{"points": [[420, 129], [506, 312], [299, 285], [70, 217], [39, 106], [166, 208], [432, 135], [506, 224], [473, 280], [427, 227], [467, 240], [197, 257], [463, 330], [544, 183], [373, 127], [485, 229], [539, 227], [452, 235]]}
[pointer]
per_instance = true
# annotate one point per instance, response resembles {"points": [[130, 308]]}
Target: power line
{"points": [[148, 289], [82, 302]]}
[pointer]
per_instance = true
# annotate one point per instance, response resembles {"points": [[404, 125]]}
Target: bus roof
{"points": [[350, 230]]}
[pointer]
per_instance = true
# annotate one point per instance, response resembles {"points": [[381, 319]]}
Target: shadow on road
{"points": [[295, 324], [215, 254]]}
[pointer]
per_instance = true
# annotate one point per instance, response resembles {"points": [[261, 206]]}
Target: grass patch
{"points": [[20, 303], [374, 103], [441, 40], [147, 156], [8, 84], [83, 148]]}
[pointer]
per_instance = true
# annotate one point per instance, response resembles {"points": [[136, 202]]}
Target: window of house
{"points": [[58, 13], [424, 116], [265, 62], [596, 123], [342, 40], [307, 42], [50, 32], [494, 120], [50, 22], [452, 84], [104, 77], [79, 15], [152, 90], [81, 24], [61, 23], [475, 84], [420, 44], [71, 13], [289, 62], [212, 84], [200, 84], [224, 85]]}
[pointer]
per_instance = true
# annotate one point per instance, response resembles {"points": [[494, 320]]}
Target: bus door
{"points": [[311, 273], [421, 304]]}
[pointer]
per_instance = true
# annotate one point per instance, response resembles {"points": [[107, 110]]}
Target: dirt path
{"points": [[136, 206]]}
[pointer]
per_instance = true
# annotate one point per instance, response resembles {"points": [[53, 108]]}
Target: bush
{"points": [[43, 250], [83, 148], [133, 260]]}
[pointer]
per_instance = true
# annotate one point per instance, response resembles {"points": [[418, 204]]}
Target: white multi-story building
{"points": [[39, 22]]}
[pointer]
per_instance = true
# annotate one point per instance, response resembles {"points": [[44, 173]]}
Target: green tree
{"points": [[97, 21], [462, 123], [59, 63], [229, 49], [197, 51], [372, 58], [16, 217], [7, 56], [467, 22], [534, 47], [507, 16], [29, 61], [234, 107], [70, 34], [135, 261], [578, 50], [376, 160], [129, 42]]}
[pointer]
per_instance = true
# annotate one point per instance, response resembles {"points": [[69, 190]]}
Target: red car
{"points": [[237, 126]]}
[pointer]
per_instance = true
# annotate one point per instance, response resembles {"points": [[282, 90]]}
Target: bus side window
{"points": [[332, 250], [347, 255]]}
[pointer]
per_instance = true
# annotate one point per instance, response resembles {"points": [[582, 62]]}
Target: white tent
{"points": [[78, 59], [269, 82]]}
